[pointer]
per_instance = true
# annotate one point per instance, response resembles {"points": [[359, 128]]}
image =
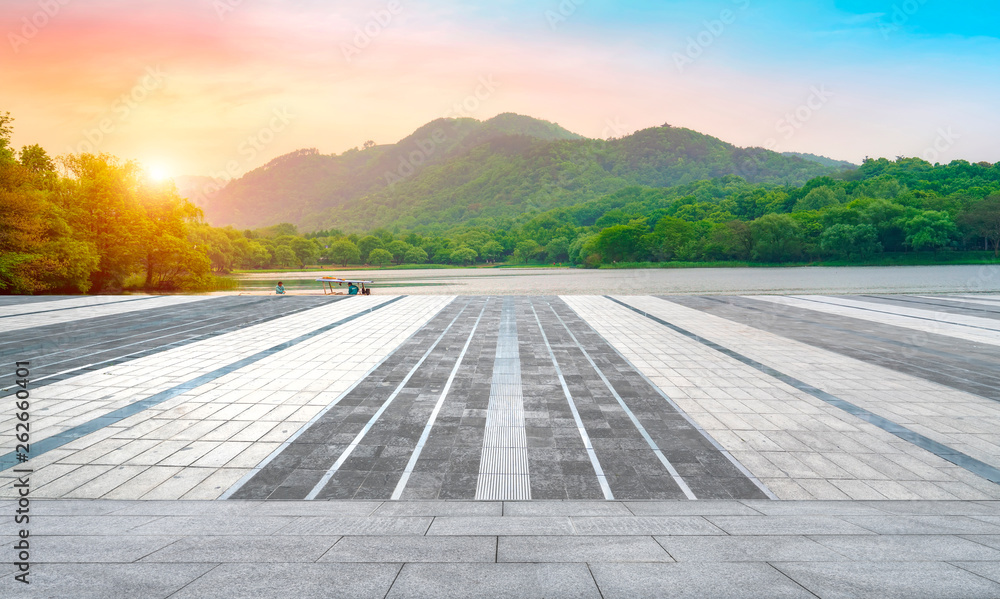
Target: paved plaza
{"points": [[549, 446]]}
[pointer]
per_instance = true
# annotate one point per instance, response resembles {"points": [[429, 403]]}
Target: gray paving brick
{"points": [[817, 508], [565, 508], [890, 580], [241, 548], [213, 525], [924, 525], [109, 581], [495, 526], [905, 548], [692, 508], [494, 581], [413, 549], [696, 581], [939, 508], [301, 581], [747, 549], [645, 525], [95, 549], [786, 525], [580, 549], [440, 508], [357, 526], [989, 570]]}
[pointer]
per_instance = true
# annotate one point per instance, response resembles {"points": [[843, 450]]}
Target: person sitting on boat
{"points": [[280, 289], [352, 289]]}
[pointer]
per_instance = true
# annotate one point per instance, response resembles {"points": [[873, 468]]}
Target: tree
{"points": [[670, 235], [398, 250], [380, 256], [528, 249], [343, 252], [415, 255], [557, 250], [817, 199], [367, 244], [306, 250], [851, 241], [983, 220], [492, 251], [284, 257], [464, 255], [621, 243], [776, 238], [929, 230]]}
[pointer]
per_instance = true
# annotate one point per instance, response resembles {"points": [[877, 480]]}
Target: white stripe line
{"points": [[601, 479], [371, 422], [246, 477], [503, 464], [642, 431], [434, 413]]}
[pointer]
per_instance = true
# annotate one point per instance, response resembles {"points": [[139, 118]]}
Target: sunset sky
{"points": [[191, 86]]}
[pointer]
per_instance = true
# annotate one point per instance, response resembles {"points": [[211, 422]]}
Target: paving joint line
{"points": [[954, 456], [138, 299], [56, 441]]}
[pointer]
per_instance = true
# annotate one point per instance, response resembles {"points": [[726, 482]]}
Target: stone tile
{"points": [[96, 549], [785, 525], [356, 526], [747, 549], [692, 508], [892, 580], [564, 508], [108, 525], [111, 581], [240, 548], [696, 581], [440, 508], [494, 581], [907, 548], [814, 508], [924, 525], [580, 549], [301, 581], [989, 570], [413, 549], [213, 525], [496, 526], [645, 525]]}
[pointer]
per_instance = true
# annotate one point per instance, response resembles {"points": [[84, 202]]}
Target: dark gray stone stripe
{"points": [[943, 451], [54, 442], [937, 304], [957, 324], [138, 299]]}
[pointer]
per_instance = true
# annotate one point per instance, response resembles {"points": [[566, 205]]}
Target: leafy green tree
{"points": [[983, 220], [929, 230], [817, 199], [777, 238], [669, 235], [415, 255], [284, 257], [398, 250], [306, 250], [380, 256], [492, 250], [851, 241], [366, 245], [528, 250], [621, 243], [557, 250], [464, 255], [343, 252]]}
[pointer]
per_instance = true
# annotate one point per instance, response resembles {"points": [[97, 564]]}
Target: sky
{"points": [[219, 87]]}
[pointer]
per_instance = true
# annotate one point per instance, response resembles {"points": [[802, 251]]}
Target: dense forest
{"points": [[92, 223]]}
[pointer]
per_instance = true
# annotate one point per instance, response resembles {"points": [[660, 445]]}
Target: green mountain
{"points": [[831, 162], [454, 170]]}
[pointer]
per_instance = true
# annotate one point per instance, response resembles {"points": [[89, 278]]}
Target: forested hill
{"points": [[454, 170]]}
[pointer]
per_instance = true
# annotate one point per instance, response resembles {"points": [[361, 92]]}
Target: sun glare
{"points": [[157, 173]]}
